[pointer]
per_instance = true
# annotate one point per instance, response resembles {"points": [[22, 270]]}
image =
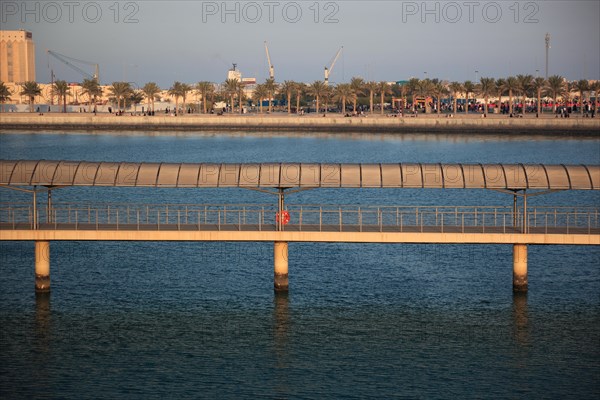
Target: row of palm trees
{"points": [[523, 86]]}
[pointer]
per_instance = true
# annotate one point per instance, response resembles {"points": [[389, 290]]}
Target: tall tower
{"points": [[17, 56], [547, 49]]}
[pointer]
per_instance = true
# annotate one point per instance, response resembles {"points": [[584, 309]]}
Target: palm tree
{"points": [[500, 85], [230, 90], [512, 85], [582, 86], [136, 97], [402, 89], [260, 92], [61, 89], [469, 87], [120, 90], [486, 89], [538, 85], [556, 84], [286, 89], [524, 85], [570, 87], [150, 90], [271, 87], [30, 89], [358, 87], [204, 89], [439, 90], [455, 89], [383, 88], [342, 92], [5, 94], [179, 90], [240, 90], [91, 88], [371, 86], [316, 89], [300, 88]]}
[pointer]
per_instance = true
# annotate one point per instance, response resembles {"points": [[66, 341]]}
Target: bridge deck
{"points": [[292, 233]]}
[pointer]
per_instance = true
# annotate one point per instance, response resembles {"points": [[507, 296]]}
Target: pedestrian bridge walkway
{"points": [[517, 223], [144, 220]]}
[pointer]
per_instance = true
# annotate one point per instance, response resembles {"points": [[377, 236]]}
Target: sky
{"points": [[190, 41]]}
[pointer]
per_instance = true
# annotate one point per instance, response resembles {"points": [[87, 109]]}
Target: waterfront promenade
{"points": [[281, 121]]}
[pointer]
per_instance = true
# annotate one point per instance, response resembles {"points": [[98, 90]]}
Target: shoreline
{"points": [[494, 124]]}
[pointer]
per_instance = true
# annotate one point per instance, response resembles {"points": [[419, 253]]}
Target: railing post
{"points": [[359, 219], [320, 219], [340, 218], [525, 217], [34, 221]]}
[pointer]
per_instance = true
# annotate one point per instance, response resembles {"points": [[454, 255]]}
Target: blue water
{"points": [[200, 320]]}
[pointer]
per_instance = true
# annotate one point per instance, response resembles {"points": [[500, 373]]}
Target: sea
{"points": [[146, 320]]}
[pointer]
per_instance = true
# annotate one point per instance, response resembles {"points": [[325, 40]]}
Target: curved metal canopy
{"points": [[302, 175]]}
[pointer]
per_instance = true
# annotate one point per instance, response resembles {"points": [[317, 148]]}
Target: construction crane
{"points": [[328, 70], [271, 68], [69, 62]]}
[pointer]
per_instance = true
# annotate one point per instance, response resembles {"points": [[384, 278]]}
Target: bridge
{"points": [[517, 224]]}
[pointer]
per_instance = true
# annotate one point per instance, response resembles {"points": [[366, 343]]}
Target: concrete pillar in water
{"points": [[42, 266], [280, 257], [520, 268]]}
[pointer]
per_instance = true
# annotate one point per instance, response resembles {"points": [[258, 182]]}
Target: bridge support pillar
{"points": [[42, 266], [280, 258], [520, 268]]}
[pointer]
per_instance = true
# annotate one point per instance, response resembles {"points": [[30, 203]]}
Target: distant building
{"points": [[17, 56], [234, 74]]}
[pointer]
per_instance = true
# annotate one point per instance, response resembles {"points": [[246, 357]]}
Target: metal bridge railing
{"points": [[251, 217]]}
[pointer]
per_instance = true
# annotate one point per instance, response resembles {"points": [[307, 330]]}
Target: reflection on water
{"points": [[520, 318], [281, 328], [456, 138]]}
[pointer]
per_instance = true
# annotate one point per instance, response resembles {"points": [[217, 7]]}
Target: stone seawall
{"points": [[421, 124]]}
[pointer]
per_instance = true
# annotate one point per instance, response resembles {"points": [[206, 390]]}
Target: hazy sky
{"points": [[189, 41]]}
